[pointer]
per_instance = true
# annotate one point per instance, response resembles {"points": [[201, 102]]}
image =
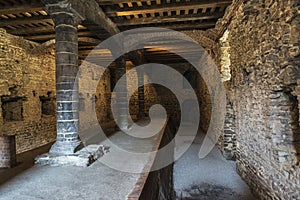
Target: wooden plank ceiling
{"points": [[27, 18]]}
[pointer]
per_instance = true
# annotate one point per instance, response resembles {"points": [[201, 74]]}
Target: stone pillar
{"points": [[141, 94], [121, 94], [66, 49]]}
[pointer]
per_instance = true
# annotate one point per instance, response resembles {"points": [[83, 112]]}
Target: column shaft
{"points": [[66, 49], [121, 94], [141, 94]]}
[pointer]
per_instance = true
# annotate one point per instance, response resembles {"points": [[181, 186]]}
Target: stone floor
{"points": [[97, 182], [25, 161], [212, 178]]}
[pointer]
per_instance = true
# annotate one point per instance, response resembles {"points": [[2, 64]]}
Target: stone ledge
{"points": [[82, 158]]}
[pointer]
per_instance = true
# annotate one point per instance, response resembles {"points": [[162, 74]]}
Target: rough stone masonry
{"points": [[26, 78], [264, 94]]}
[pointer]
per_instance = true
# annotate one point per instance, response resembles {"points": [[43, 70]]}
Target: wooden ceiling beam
{"points": [[86, 47], [88, 40], [164, 19], [15, 9], [96, 52], [170, 7], [40, 37], [52, 36], [190, 26], [25, 20], [37, 30], [157, 54], [30, 30], [181, 49], [112, 2], [93, 15]]}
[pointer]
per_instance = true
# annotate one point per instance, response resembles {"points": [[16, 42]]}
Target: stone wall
{"points": [[94, 94], [168, 99], [154, 94], [27, 80], [263, 91], [228, 143], [100, 99], [205, 105]]}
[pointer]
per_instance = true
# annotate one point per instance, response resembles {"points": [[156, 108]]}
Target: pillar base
{"points": [[64, 148], [124, 125], [142, 116], [83, 158]]}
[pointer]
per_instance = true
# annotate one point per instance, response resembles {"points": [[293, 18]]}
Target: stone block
{"points": [[82, 158]]}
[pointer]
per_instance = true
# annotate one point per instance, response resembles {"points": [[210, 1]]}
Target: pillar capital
{"points": [[61, 12]]}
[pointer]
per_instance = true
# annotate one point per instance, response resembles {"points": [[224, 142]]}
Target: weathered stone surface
{"points": [[228, 143], [28, 75], [264, 45], [83, 158], [66, 60]]}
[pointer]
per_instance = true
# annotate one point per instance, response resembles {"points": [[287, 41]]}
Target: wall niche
{"points": [[47, 103], [12, 108]]}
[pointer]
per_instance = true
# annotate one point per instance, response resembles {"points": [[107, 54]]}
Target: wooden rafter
{"points": [[110, 2], [178, 27], [46, 37], [25, 20], [94, 15], [15, 9], [164, 19], [31, 30], [89, 40], [170, 7]]}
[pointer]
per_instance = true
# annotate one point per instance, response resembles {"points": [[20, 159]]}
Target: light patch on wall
{"points": [[225, 57]]}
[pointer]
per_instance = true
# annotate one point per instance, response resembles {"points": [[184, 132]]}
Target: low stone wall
{"points": [[157, 184]]}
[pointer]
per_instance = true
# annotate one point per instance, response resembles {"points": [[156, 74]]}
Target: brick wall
{"points": [[7, 151], [264, 53], [25, 77]]}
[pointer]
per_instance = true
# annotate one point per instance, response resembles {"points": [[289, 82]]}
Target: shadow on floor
{"points": [[207, 191], [210, 178]]}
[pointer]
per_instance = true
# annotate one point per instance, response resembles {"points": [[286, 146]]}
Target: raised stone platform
{"points": [[98, 181], [82, 158]]}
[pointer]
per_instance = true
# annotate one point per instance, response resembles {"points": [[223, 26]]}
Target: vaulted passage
{"points": [[163, 99]]}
